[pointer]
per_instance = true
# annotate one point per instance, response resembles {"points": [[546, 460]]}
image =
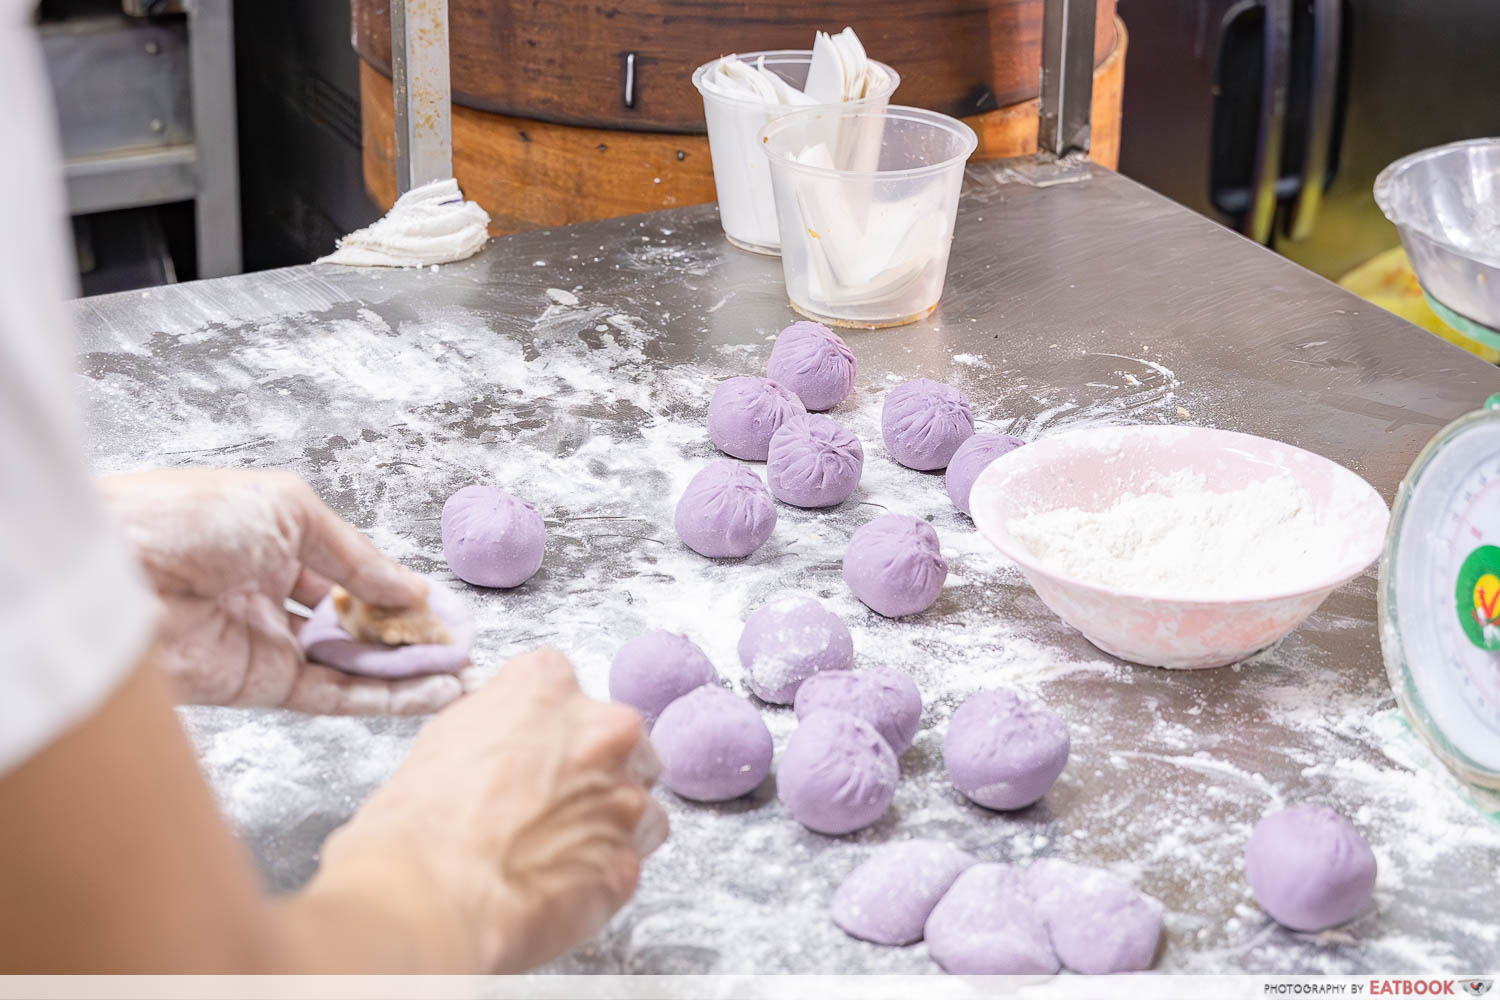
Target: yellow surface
{"points": [[1388, 281]]}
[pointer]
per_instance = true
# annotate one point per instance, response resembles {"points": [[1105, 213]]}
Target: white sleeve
{"points": [[75, 612]]}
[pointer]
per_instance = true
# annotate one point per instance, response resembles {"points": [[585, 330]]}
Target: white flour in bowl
{"points": [[1185, 541]]}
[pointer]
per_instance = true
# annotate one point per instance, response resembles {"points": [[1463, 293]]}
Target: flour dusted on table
{"points": [[603, 435], [1185, 541]]}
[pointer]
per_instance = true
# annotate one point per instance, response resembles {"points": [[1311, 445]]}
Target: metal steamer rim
{"points": [[1440, 595]]}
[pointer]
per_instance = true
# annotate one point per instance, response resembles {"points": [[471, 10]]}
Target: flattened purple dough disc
{"points": [[888, 898], [987, 925], [325, 641], [1098, 923]]}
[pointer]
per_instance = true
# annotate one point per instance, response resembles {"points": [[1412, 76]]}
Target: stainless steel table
{"points": [[574, 367]]}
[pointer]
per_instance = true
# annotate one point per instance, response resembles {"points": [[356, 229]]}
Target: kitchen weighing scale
{"points": [[1440, 595], [1475, 331]]}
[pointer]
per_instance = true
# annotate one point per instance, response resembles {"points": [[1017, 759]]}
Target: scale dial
{"points": [[1440, 595]]}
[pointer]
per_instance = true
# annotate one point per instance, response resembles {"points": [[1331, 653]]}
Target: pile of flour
{"points": [[431, 224], [1183, 541]]}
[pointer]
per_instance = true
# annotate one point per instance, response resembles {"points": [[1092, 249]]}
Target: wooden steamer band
{"points": [[532, 174], [567, 61]]}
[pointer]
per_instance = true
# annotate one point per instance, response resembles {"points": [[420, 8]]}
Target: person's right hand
{"points": [[515, 828]]}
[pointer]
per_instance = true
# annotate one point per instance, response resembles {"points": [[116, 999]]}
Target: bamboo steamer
{"points": [[536, 158]]}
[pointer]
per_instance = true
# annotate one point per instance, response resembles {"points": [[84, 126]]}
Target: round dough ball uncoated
{"points": [[1098, 924], [895, 565], [491, 538], [815, 363], [972, 458], [1003, 752], [886, 699], [1309, 868], [713, 745], [745, 411], [653, 670], [725, 512], [923, 423], [325, 641], [787, 641], [888, 898], [814, 461], [988, 925], [837, 774]]}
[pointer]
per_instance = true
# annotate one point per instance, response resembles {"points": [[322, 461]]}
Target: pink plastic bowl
{"points": [[1093, 468]]}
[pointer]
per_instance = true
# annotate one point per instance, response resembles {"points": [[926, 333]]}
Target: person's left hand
{"points": [[225, 550]]}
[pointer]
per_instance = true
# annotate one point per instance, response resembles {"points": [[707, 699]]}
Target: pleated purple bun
{"points": [[924, 422], [788, 641], [1003, 752], [837, 774], [725, 512], [490, 538], [895, 565], [886, 699], [745, 411], [814, 461], [713, 745], [1309, 868], [972, 458], [815, 363], [653, 670]]}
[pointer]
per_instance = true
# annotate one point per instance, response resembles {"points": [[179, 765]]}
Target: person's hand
{"points": [[225, 550], [512, 832]]}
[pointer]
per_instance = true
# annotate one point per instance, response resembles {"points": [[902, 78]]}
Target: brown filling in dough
{"points": [[418, 624]]}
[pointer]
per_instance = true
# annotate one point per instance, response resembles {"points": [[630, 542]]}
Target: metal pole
{"points": [[215, 137], [422, 92], [1067, 87]]}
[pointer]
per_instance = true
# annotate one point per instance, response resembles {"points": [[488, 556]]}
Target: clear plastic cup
{"points": [[742, 176], [866, 199]]}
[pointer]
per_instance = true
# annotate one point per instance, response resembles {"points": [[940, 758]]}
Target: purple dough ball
{"points": [[888, 898], [653, 670], [1097, 923], [787, 641], [924, 422], [713, 745], [814, 461], [837, 774], [725, 512], [815, 363], [745, 412], [492, 539], [324, 641], [1003, 752], [895, 565], [987, 925], [972, 458], [886, 699], [1309, 868]]}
